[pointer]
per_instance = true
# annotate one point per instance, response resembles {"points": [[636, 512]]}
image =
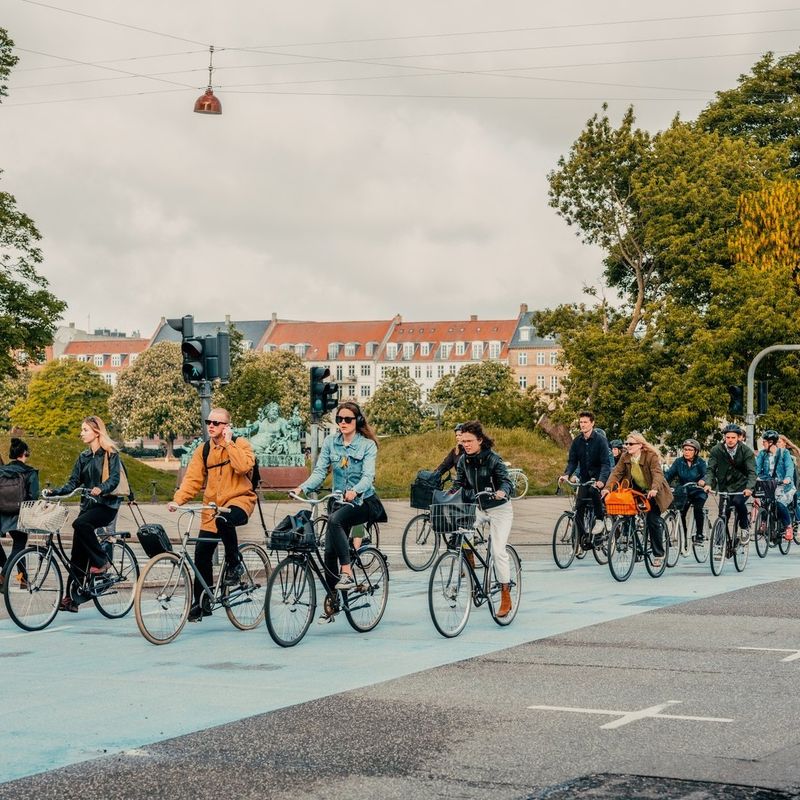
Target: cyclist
{"points": [[690, 468], [225, 467], [732, 468], [22, 481], [97, 469], [794, 452], [640, 465], [481, 468], [350, 454], [775, 463], [451, 459], [616, 450], [588, 453]]}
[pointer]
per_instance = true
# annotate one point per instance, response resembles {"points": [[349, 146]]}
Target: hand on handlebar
{"points": [[172, 506]]}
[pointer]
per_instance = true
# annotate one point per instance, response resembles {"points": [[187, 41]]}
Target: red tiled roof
{"points": [[451, 331], [320, 334], [92, 347]]}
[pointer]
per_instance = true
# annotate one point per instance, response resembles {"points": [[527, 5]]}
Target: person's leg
{"points": [[203, 555], [699, 517], [20, 539], [784, 519], [84, 526], [655, 529], [740, 504], [226, 528], [339, 525], [501, 519], [581, 501]]}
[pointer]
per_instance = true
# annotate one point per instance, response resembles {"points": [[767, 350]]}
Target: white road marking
{"points": [[33, 633], [794, 657], [626, 717]]}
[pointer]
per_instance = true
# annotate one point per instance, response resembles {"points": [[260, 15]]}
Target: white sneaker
{"points": [[325, 619], [345, 582]]}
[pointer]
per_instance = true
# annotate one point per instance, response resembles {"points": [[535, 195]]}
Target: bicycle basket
{"points": [[294, 532], [42, 515], [679, 497], [622, 501], [449, 517], [153, 539]]}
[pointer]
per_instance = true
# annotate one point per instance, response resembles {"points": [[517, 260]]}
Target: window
{"points": [[429, 371], [452, 369], [406, 371], [477, 350], [444, 351], [523, 381], [540, 382], [391, 350], [366, 370], [108, 377], [408, 350], [351, 370], [522, 359], [300, 350], [339, 372], [116, 360], [461, 348], [553, 358], [350, 349], [417, 371], [333, 350], [351, 390], [365, 391], [287, 347], [554, 383], [494, 349], [540, 358], [525, 334], [132, 357], [425, 349], [440, 371], [98, 360]]}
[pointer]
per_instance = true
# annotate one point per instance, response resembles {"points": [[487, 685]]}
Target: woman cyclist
{"points": [[451, 459], [690, 468], [775, 463], [479, 469], [350, 454]]}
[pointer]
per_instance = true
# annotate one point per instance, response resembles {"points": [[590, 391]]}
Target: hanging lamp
{"points": [[208, 102]]}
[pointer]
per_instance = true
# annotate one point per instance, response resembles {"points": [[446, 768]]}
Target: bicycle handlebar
{"points": [[337, 496], [47, 495]]}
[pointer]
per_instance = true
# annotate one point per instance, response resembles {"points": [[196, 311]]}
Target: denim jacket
{"points": [[353, 465], [784, 468]]}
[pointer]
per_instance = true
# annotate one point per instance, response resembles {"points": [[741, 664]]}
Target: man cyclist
{"points": [[731, 467], [775, 463], [589, 453]]}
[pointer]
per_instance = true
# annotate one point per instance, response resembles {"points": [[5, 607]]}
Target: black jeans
{"points": [[19, 539], [588, 495], [337, 539], [204, 551], [697, 510], [739, 502], [86, 549], [655, 530]]}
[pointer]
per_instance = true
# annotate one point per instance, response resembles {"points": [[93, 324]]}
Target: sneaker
{"points": [[196, 613], [100, 570], [657, 562], [744, 535], [68, 604], [345, 582], [329, 612], [789, 534], [234, 574]]}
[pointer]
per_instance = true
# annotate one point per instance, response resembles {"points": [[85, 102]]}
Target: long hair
{"points": [[18, 448], [362, 426], [99, 427], [790, 445], [637, 437], [476, 429]]}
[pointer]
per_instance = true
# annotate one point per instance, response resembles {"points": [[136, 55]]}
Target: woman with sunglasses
{"points": [[640, 465], [350, 454]]}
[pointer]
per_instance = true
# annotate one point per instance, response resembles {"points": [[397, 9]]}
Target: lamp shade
{"points": [[208, 103]]}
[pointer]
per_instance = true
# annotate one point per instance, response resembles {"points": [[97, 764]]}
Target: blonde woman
{"points": [[98, 470], [640, 465]]}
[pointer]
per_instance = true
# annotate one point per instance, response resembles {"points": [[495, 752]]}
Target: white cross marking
{"points": [[626, 717], [794, 657]]}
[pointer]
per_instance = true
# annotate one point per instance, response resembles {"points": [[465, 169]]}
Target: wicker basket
{"points": [[42, 515]]}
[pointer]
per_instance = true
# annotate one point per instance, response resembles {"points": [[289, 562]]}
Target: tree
{"points": [[28, 312], [12, 389], [396, 406], [151, 398], [59, 397]]}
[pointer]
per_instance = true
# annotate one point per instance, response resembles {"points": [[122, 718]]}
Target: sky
{"points": [[371, 159]]}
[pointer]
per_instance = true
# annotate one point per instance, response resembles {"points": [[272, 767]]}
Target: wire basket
{"points": [[42, 515], [450, 517]]}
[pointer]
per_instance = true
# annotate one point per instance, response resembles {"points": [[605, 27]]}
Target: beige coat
{"points": [[654, 475]]}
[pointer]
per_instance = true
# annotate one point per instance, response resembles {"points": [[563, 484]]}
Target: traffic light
{"points": [[192, 349], [330, 396], [317, 387], [762, 401], [736, 402]]}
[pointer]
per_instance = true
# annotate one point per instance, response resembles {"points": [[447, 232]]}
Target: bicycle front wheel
{"points": [[33, 588], [622, 548], [600, 547], [740, 553], [761, 532], [494, 587], [699, 545], [244, 604], [366, 603], [654, 564], [718, 546], [565, 540], [450, 593], [673, 536], [116, 589], [519, 485], [163, 597], [420, 543], [291, 601]]}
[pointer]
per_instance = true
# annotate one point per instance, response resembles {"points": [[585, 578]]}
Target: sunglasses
{"points": [[631, 444], [344, 419], [215, 422]]}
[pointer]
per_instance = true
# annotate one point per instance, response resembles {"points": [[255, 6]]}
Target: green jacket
{"points": [[731, 475]]}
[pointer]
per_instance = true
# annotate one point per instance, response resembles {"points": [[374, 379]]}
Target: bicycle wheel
{"points": [[366, 603], [718, 546], [699, 546], [163, 598], [622, 548], [761, 532], [115, 589], [450, 593], [420, 543], [372, 534], [673, 535], [740, 553], [291, 601], [655, 565], [600, 549], [565, 540], [796, 532], [783, 544], [244, 604], [320, 529], [493, 589], [519, 484], [33, 588]]}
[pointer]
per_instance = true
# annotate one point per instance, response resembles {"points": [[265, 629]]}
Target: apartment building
{"points": [[534, 358]]}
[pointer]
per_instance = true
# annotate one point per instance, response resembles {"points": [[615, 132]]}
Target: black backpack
{"points": [[255, 477], [12, 492]]}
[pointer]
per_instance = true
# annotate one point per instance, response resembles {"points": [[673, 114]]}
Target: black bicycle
{"points": [[680, 527], [728, 541], [767, 530], [291, 599], [567, 545], [630, 541]]}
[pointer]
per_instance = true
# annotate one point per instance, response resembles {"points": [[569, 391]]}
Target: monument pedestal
{"points": [[282, 477]]}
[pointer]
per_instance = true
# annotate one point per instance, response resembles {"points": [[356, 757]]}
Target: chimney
{"points": [[398, 319], [473, 317], [523, 308], [228, 320], [274, 316]]}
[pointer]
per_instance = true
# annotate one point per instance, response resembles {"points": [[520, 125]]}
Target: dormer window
{"points": [[98, 360], [391, 351], [425, 349], [350, 349], [116, 360], [408, 350], [461, 348], [445, 349], [525, 334], [333, 350], [494, 349], [477, 350]]}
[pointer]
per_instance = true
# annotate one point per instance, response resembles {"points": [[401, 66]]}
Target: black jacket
{"points": [[88, 472], [485, 470], [591, 455], [450, 460]]}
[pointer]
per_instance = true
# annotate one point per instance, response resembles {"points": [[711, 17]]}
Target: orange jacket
{"points": [[227, 485]]}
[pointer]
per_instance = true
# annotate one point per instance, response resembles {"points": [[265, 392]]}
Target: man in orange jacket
{"points": [[224, 465]]}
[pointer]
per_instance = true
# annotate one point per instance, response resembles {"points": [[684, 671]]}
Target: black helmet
{"points": [[732, 428], [771, 436], [458, 427], [616, 443], [692, 443]]}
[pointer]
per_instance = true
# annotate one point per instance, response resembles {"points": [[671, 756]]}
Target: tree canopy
{"points": [[396, 406]]}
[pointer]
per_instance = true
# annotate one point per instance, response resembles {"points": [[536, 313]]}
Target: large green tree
{"points": [[60, 395], [396, 406], [151, 398]]}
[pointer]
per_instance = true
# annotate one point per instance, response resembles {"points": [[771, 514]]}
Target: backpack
{"points": [[426, 483], [12, 492], [255, 475]]}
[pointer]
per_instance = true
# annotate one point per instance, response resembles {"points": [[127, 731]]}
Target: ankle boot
{"points": [[470, 556], [505, 600]]}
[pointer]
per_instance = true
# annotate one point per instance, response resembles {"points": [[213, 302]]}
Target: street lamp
{"points": [[438, 410], [208, 103]]}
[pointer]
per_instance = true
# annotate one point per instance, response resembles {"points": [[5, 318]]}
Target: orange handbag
{"points": [[622, 501]]}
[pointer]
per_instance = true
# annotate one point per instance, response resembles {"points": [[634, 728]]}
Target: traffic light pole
{"points": [[750, 418], [204, 390]]}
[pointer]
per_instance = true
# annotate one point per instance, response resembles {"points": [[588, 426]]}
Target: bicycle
{"points": [[164, 590], [519, 482], [724, 542], [454, 585], [372, 531], [680, 526], [767, 530], [566, 547], [630, 541], [33, 599], [291, 597]]}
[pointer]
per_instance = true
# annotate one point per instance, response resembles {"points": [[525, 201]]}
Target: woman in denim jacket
{"points": [[350, 454]]}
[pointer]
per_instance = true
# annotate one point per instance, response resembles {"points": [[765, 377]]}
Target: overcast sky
{"points": [[372, 158]]}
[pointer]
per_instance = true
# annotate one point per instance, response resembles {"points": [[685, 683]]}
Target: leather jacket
{"points": [[485, 470]]}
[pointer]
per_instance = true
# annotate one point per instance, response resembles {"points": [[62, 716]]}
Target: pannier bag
{"points": [[294, 532], [425, 484], [622, 501], [153, 539], [449, 512]]}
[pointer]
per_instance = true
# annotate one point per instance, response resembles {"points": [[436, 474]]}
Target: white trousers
{"points": [[500, 519]]}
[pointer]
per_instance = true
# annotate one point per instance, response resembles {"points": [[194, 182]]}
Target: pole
{"points": [[750, 418], [204, 390], [314, 443]]}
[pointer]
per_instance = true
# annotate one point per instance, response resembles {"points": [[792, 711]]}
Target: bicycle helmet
{"points": [[771, 436], [692, 443], [616, 443], [732, 428], [458, 427]]}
